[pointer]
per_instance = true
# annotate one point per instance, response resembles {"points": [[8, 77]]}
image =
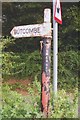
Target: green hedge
{"points": [[15, 105], [21, 65], [29, 65], [26, 64], [68, 69]]}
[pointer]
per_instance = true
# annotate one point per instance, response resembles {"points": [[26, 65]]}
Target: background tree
{"points": [[17, 13], [70, 28], [20, 13]]}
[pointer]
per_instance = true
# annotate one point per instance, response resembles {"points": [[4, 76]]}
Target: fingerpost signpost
{"points": [[46, 65], [44, 31]]}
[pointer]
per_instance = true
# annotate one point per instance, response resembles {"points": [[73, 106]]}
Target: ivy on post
{"points": [[45, 83]]}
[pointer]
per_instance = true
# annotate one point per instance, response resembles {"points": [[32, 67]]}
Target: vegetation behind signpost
{"points": [[21, 59]]}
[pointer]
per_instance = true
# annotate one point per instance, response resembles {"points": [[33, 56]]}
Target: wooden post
{"points": [[45, 83]]}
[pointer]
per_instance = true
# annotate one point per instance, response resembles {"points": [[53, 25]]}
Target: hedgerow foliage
{"points": [[29, 64], [17, 106]]}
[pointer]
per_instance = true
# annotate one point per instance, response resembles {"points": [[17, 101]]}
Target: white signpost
{"points": [[34, 30], [40, 30]]}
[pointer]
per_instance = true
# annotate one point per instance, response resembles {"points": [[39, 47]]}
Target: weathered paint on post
{"points": [[46, 48], [45, 83]]}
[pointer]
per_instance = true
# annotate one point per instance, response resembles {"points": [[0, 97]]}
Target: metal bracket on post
{"points": [[45, 83]]}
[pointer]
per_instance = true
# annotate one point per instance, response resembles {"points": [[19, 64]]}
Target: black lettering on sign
{"points": [[20, 31], [30, 30], [38, 29], [24, 31], [15, 31], [27, 30], [35, 30]]}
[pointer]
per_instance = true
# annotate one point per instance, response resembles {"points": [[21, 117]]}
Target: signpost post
{"points": [[46, 48], [44, 31]]}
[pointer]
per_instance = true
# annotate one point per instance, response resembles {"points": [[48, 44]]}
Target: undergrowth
{"points": [[26, 64], [65, 105]]}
